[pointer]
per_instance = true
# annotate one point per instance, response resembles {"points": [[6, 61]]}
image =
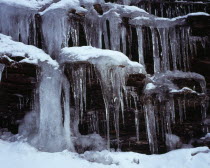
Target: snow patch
{"points": [[21, 155]]}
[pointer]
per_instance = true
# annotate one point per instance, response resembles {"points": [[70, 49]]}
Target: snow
{"points": [[35, 4], [64, 4], [184, 89], [150, 86], [97, 56], [29, 53], [93, 142], [173, 141], [160, 22], [21, 3], [127, 9], [21, 155], [159, 79], [198, 14]]}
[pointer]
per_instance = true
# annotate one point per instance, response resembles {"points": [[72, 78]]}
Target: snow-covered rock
{"points": [[29, 53]]}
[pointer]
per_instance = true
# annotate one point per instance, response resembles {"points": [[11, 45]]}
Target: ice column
{"points": [[53, 132]]}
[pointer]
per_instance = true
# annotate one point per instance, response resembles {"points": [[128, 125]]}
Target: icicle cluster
{"points": [[18, 21], [171, 9], [112, 73], [160, 97]]}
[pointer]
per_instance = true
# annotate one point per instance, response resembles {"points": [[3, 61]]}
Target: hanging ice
{"points": [[17, 20], [112, 69], [1, 70], [159, 104]]}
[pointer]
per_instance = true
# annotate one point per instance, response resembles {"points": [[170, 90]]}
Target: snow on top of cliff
{"points": [[98, 56], [126, 8], [153, 21], [65, 5], [34, 4], [30, 53]]}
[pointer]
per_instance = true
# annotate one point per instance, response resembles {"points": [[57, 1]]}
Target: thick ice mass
{"points": [[112, 68]]}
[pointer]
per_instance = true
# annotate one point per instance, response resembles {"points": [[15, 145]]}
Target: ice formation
{"points": [[17, 20], [112, 69], [55, 25], [51, 130], [179, 7], [109, 21], [160, 111]]}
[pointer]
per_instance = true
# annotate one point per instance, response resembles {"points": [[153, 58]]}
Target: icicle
{"points": [[123, 38], [67, 130], [183, 49], [115, 29], [93, 29], [174, 46], [137, 124], [2, 66], [172, 109], [74, 122], [15, 21], [140, 44], [180, 110], [133, 95], [78, 79], [203, 109], [165, 51], [55, 28], [74, 33], [112, 81], [151, 126], [156, 57], [168, 117]]}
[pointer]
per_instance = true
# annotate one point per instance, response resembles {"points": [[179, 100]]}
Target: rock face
{"points": [[172, 8], [18, 85], [108, 96]]}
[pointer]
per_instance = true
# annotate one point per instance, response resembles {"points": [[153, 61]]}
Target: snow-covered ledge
{"points": [[10, 49]]}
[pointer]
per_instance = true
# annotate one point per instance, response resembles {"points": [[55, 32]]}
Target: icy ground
{"points": [[21, 155]]}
